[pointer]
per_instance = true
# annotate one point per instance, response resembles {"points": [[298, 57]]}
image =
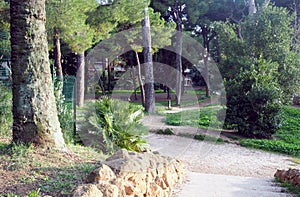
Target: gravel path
{"points": [[226, 159], [219, 170], [223, 170]]}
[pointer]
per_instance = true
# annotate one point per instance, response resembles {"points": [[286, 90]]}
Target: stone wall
{"points": [[133, 174]]}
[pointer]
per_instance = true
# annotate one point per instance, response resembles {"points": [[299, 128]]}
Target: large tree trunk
{"points": [[34, 107], [80, 80], [140, 78], [149, 77], [57, 55]]}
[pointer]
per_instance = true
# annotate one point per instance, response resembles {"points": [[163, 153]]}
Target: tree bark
{"points": [[139, 72], [80, 79], [34, 108], [149, 77], [57, 55]]}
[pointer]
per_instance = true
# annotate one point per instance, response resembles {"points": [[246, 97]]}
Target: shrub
{"points": [[6, 118], [287, 138], [202, 137], [117, 122], [167, 131], [253, 101]]}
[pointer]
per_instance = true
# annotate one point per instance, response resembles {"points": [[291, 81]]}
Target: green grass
{"points": [[287, 139], [205, 117]]}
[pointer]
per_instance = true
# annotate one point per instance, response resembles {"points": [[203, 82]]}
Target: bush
{"points": [[6, 117], [117, 122], [208, 138], [287, 138], [253, 101], [167, 131]]}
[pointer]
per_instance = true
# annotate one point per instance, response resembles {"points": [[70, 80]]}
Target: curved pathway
{"points": [[219, 169]]}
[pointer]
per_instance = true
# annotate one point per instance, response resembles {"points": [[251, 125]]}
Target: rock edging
{"points": [[291, 176], [133, 174]]}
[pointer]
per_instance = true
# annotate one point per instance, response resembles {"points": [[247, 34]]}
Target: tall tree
{"points": [[208, 35], [55, 17], [34, 110], [180, 11], [149, 78]]}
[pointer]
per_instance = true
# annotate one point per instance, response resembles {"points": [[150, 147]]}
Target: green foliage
{"points": [[117, 122], [269, 35], [266, 35], [6, 117], [65, 114], [287, 139], [253, 101], [4, 16], [70, 18], [206, 117]]}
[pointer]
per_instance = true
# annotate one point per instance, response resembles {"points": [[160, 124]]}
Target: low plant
{"points": [[167, 131], [202, 137], [117, 122]]}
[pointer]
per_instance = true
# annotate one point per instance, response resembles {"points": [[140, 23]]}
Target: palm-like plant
{"points": [[118, 123]]}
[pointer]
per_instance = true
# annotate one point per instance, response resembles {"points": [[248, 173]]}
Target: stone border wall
{"points": [[133, 174], [291, 176]]}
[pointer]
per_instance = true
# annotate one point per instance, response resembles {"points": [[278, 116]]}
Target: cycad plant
{"points": [[117, 122]]}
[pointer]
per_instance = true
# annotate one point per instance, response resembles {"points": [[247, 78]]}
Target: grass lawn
{"points": [[35, 172], [205, 117]]}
